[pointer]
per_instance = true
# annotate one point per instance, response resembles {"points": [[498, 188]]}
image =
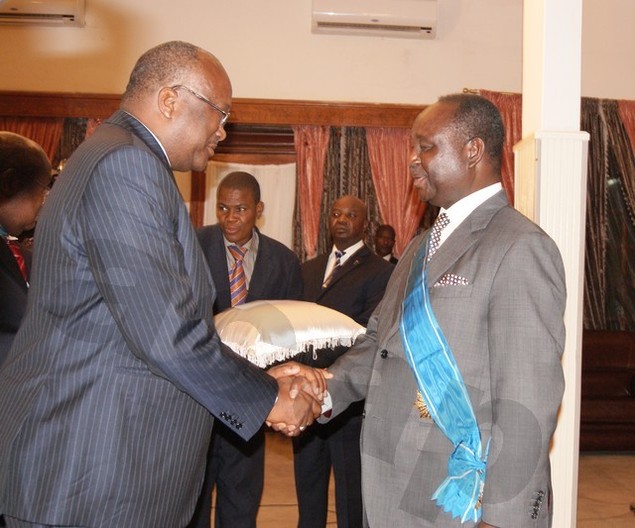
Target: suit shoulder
{"points": [[208, 232]]}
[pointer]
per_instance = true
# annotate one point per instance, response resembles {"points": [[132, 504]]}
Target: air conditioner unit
{"points": [[389, 18], [42, 12]]}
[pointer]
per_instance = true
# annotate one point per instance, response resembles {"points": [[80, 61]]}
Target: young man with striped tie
{"points": [[246, 266]]}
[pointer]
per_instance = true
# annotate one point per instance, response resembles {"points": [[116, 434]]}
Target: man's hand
{"points": [[306, 378], [291, 415]]}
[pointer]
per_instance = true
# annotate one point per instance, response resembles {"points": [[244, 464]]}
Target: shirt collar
{"points": [[152, 134], [350, 250], [460, 210]]}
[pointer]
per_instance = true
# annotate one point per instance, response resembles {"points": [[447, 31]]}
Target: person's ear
{"points": [[260, 207], [475, 151], [166, 101]]}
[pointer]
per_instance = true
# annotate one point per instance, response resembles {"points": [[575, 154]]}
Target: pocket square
{"points": [[451, 279]]}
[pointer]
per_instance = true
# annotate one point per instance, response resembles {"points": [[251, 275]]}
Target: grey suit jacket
{"points": [[505, 327], [107, 395]]}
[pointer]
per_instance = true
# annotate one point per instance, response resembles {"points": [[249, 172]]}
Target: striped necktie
{"points": [[18, 256], [336, 268], [440, 224], [237, 279]]}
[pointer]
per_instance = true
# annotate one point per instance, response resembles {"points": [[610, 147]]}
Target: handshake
{"points": [[301, 391]]}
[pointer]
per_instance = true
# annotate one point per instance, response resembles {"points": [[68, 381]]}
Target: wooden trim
{"points": [[244, 111]]}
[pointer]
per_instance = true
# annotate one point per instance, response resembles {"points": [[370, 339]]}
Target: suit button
{"points": [[384, 354]]}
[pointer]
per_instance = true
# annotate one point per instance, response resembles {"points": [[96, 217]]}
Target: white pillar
{"points": [[551, 167]]}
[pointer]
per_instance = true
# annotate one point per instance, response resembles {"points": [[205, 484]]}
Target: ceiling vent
{"points": [[386, 18], [42, 12]]}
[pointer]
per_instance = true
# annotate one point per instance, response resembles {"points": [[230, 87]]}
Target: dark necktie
{"points": [[336, 269], [237, 279], [440, 224], [18, 256]]}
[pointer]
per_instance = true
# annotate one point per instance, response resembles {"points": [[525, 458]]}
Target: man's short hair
{"points": [[241, 180], [476, 116], [388, 228], [23, 165], [164, 65]]}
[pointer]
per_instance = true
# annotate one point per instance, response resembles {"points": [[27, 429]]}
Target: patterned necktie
{"points": [[336, 268], [19, 258], [435, 235], [237, 279]]}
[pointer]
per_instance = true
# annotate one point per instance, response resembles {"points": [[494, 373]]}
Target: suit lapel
{"points": [[464, 237], [358, 258]]}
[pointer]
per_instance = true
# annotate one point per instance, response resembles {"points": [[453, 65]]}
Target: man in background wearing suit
{"points": [[108, 393], [460, 366], [384, 242], [350, 279], [25, 174], [272, 271]]}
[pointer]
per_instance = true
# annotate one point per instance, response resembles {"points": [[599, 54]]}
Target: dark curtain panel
{"points": [[73, 133], [610, 231], [347, 171]]}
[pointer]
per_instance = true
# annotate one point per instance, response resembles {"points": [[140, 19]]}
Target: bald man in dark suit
{"points": [[350, 279], [109, 392]]}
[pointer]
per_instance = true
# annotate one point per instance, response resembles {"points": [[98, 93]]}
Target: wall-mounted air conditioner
{"points": [[42, 12], [388, 18]]}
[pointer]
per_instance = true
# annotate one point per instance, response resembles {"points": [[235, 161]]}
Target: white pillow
{"points": [[268, 331]]}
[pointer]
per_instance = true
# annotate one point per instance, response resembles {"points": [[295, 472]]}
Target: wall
{"points": [[270, 52]]}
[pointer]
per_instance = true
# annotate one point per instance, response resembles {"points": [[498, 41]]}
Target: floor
{"points": [[606, 490]]}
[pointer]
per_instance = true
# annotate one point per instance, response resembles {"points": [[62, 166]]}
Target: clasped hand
{"points": [[301, 391]]}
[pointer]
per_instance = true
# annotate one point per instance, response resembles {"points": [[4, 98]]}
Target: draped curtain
{"points": [[609, 282], [399, 203], [46, 131], [510, 107], [347, 171], [609, 285], [310, 147]]}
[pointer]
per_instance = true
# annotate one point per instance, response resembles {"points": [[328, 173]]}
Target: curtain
{"points": [[592, 120], [626, 111], [347, 171], [510, 107], [277, 192], [310, 147], [46, 131], [399, 203]]}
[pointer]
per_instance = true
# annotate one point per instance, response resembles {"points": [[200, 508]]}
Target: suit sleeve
{"points": [[295, 286], [526, 340], [129, 221], [374, 292]]}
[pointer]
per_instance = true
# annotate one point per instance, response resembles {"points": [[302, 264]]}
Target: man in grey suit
{"points": [[460, 365], [272, 271], [108, 394]]}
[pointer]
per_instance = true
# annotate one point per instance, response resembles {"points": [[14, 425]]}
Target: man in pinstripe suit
{"points": [[107, 395]]}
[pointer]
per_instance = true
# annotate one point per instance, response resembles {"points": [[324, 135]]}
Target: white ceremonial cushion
{"points": [[268, 331]]}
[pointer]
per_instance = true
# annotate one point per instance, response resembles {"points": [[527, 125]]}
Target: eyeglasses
{"points": [[206, 101]]}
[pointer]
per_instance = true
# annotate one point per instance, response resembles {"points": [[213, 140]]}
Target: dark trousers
{"points": [[321, 446], [237, 470]]}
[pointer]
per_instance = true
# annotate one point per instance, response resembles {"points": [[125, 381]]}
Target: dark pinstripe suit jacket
{"points": [[106, 395], [276, 273], [13, 297]]}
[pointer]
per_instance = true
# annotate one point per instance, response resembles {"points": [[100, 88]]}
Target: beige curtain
{"points": [[310, 147], [400, 206]]}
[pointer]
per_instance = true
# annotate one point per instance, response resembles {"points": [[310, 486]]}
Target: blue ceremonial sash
{"points": [[444, 393]]}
